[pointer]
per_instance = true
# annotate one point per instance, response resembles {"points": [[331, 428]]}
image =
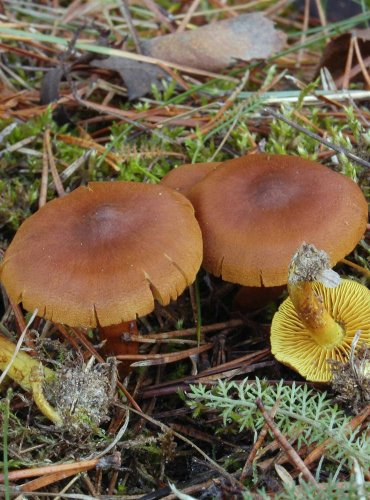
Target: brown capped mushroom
{"points": [[103, 254], [184, 177], [254, 212]]}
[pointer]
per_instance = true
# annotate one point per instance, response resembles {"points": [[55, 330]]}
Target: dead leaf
{"points": [[335, 55], [284, 475], [138, 76], [216, 46], [49, 92], [209, 48]]}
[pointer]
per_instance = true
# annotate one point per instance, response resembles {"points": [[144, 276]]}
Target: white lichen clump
{"points": [[311, 264], [82, 396]]}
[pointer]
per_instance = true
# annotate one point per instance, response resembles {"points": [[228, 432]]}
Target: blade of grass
{"points": [[199, 311], [5, 442]]}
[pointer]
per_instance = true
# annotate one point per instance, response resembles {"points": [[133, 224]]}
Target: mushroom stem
{"points": [[310, 308], [307, 266], [37, 379], [117, 341], [30, 374]]}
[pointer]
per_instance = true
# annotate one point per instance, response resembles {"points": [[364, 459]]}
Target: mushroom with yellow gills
{"points": [[321, 317]]}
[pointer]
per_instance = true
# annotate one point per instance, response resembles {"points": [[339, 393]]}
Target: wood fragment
{"points": [[289, 450], [261, 437]]}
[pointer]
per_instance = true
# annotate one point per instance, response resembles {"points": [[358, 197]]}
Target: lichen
{"points": [[81, 394]]}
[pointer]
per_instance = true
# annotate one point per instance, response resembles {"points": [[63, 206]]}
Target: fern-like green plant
{"points": [[330, 491], [302, 411]]}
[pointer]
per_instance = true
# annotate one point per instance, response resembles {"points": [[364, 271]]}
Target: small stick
{"points": [[344, 80], [44, 175], [306, 19], [124, 8], [49, 469], [189, 14], [160, 14], [53, 169], [361, 61], [335, 147], [161, 359], [358, 268], [287, 447], [188, 332], [322, 16], [257, 445], [45, 480]]}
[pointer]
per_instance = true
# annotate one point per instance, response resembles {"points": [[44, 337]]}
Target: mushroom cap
{"points": [[184, 177], [102, 254], [292, 344], [255, 211]]}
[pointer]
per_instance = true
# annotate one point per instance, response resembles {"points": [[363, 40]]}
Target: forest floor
{"points": [[84, 99]]}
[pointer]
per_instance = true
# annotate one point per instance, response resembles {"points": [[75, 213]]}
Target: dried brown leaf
{"points": [[216, 46], [335, 54], [138, 76], [210, 48]]}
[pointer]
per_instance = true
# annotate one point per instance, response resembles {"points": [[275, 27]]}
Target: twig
{"points": [[48, 469], [158, 12], [44, 175], [347, 69], [306, 19], [213, 373], [288, 448], [358, 268], [361, 61], [258, 443], [322, 16], [127, 15], [53, 169], [189, 14], [45, 480], [5, 426], [188, 332], [161, 359]]}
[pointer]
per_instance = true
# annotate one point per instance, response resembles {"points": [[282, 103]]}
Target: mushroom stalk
{"points": [[117, 341], [310, 265], [29, 374]]}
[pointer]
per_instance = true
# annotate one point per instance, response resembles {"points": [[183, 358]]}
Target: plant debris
{"points": [[218, 45], [81, 395], [351, 380]]}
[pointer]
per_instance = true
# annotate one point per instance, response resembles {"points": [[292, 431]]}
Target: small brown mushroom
{"points": [[255, 211], [103, 254], [184, 177]]}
